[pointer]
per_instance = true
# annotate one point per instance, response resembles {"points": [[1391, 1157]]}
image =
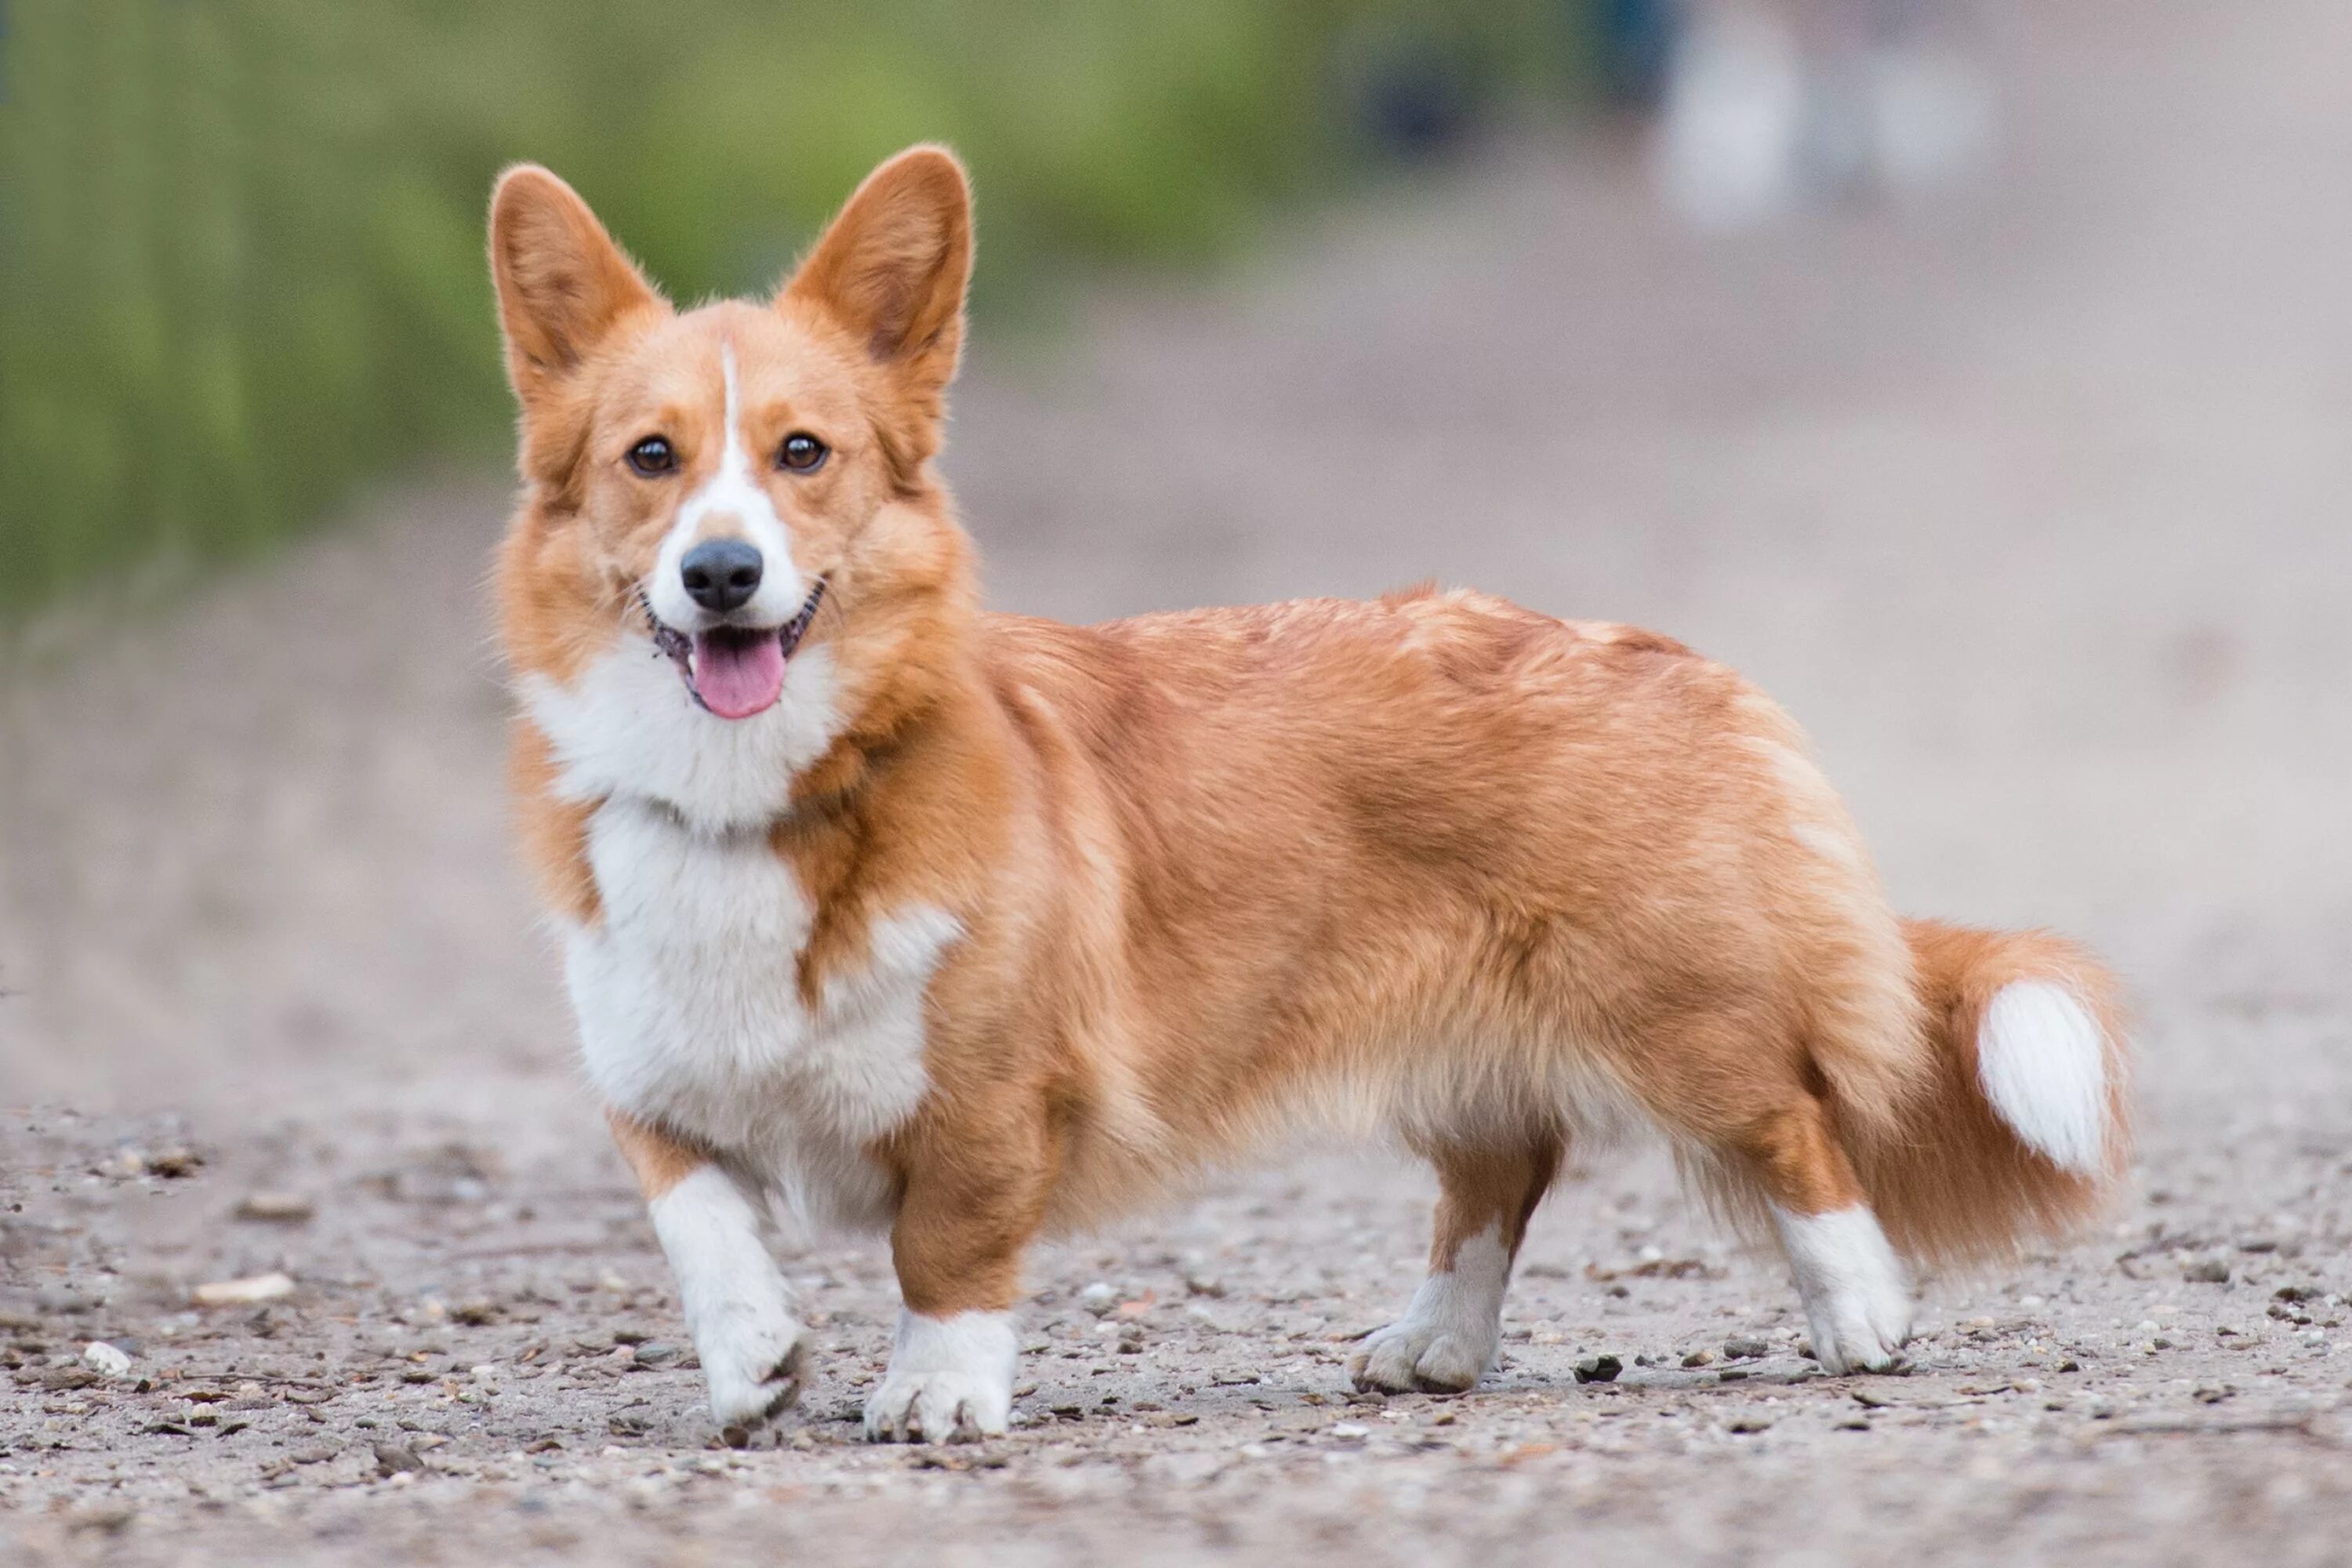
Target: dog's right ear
{"points": [[563, 286]]}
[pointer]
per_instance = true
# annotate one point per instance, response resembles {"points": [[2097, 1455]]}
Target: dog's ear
{"points": [[563, 286], [892, 267]]}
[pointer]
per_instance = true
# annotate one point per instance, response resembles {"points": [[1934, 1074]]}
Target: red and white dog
{"points": [[971, 928]]}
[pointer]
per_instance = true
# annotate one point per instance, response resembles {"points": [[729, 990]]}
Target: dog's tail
{"points": [[2020, 1132]]}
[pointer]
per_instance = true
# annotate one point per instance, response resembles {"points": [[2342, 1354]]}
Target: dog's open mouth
{"points": [[734, 671]]}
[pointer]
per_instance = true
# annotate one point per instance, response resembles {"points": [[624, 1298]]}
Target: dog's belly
{"points": [[691, 1017]]}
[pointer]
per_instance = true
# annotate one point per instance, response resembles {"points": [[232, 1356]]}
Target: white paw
{"points": [[754, 1353], [1855, 1302], [756, 1369], [950, 1380], [1417, 1356], [1447, 1338], [1851, 1336]]}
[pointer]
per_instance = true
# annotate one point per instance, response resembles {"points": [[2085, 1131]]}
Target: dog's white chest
{"points": [[691, 1015]]}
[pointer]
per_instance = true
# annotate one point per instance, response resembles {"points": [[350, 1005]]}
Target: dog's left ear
{"points": [[893, 267]]}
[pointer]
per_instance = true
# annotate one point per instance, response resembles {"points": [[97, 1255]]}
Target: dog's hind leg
{"points": [[1856, 1302], [1447, 1338]]}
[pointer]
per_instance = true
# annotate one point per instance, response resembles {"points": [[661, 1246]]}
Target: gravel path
{"points": [[2031, 506]]}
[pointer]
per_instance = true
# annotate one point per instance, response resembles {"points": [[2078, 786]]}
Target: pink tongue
{"points": [[736, 675]]}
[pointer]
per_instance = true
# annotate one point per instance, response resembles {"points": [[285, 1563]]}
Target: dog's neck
{"points": [[923, 753]]}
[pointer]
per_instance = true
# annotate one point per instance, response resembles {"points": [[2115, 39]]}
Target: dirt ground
{"points": [[2029, 506]]}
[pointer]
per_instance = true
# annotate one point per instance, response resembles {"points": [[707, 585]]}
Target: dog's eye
{"points": [[653, 456], [801, 453]]}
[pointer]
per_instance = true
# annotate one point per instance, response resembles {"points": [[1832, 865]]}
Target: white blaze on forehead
{"points": [[731, 503]]}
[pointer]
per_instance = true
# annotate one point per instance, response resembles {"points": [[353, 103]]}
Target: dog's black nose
{"points": [[721, 573]]}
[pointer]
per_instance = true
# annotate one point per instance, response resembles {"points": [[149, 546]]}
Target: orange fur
{"points": [[1958, 1188], [1435, 864], [659, 1160]]}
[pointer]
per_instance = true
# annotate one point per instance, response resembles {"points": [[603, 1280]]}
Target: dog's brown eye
{"points": [[803, 453], [653, 456]]}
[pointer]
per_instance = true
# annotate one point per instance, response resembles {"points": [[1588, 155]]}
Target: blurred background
{"points": [[1975, 374], [246, 237]]}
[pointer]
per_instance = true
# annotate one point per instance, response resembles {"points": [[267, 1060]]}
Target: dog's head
{"points": [[737, 497]]}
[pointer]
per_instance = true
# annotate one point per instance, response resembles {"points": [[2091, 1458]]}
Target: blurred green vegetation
{"points": [[240, 240]]}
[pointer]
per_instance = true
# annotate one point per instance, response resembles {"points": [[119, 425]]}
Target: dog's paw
{"points": [[1420, 1356], [1855, 1302], [1859, 1333], [936, 1407], [950, 1380], [756, 1371]]}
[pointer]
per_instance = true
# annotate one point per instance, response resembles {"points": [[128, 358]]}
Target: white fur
{"points": [[691, 1017], [1448, 1336], [949, 1379], [1855, 1302], [626, 727], [2042, 1062], [754, 1355], [731, 501]]}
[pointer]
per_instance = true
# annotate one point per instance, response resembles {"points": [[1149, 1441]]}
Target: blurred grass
{"points": [[240, 247]]}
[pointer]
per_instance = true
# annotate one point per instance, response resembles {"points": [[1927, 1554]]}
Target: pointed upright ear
{"points": [[563, 284], [892, 267]]}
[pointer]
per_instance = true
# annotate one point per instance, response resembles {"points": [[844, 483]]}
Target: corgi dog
{"points": [[972, 929]]}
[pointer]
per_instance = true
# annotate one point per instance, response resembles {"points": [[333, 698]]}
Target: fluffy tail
{"points": [[2020, 1131]]}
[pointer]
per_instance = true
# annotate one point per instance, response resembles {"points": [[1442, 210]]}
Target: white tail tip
{"points": [[2043, 1065]]}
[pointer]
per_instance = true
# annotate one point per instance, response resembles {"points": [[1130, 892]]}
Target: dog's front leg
{"points": [[958, 1243], [754, 1351]]}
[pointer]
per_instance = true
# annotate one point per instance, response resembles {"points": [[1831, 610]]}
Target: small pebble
{"points": [[394, 1458], [243, 1292], [276, 1208], [105, 1360], [106, 1519], [1743, 1350]]}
